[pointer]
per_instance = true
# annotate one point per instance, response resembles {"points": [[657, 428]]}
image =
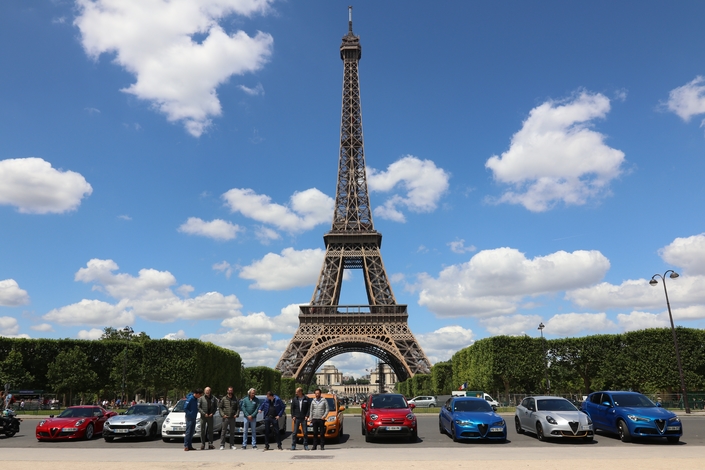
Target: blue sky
{"points": [[171, 166]]}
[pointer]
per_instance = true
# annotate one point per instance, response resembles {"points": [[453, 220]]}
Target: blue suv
{"points": [[631, 414]]}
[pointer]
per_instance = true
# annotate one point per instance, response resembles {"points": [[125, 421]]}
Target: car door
{"points": [[526, 416], [446, 413], [601, 405], [102, 417]]}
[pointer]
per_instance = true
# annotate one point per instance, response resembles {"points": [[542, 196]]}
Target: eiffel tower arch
{"points": [[380, 327]]}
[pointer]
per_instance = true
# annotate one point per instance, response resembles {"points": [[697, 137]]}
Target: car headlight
{"points": [[551, 420], [142, 423], [589, 419], [80, 422], [638, 419], [41, 423], [499, 423], [411, 416], [107, 424], [675, 419], [461, 422], [332, 419], [167, 420], [374, 417]]}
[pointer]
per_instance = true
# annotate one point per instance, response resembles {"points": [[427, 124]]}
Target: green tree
{"points": [[71, 372], [12, 371], [124, 334]]}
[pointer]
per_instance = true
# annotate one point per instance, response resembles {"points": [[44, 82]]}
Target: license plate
{"points": [[70, 429], [585, 428], [673, 428], [496, 429], [393, 428], [121, 431], [178, 428]]}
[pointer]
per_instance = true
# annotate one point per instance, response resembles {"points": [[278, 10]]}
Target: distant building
{"points": [[328, 376], [351, 391]]}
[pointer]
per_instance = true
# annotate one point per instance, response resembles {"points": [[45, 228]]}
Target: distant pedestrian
{"points": [[207, 405], [273, 408], [318, 414], [228, 407], [191, 412], [249, 406], [299, 415]]}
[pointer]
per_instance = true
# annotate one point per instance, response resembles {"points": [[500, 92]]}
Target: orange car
{"points": [[334, 421]]}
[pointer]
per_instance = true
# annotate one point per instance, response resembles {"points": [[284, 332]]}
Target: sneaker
{"points": [[254, 447], [244, 447], [233, 447], [322, 448], [314, 447], [222, 447], [280, 447], [266, 447], [203, 447], [293, 447], [305, 447], [210, 446]]}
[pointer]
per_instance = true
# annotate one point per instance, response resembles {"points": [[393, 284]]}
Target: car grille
{"points": [[398, 421], [123, 426], [482, 428], [574, 426], [660, 424], [571, 434]]}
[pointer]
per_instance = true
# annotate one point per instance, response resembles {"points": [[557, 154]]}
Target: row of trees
{"points": [[639, 360]]}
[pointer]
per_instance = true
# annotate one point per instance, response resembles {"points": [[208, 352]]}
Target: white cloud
{"points": [[148, 296], [306, 209], [688, 100], [512, 325], [9, 326], [42, 327], [458, 246], [493, 282], [441, 344], [11, 295], [266, 235], [687, 253], [224, 267], [92, 334], [422, 182], [557, 157], [569, 324], [258, 90], [290, 269], [641, 320], [217, 229], [155, 41], [124, 217], [178, 335], [34, 187]]}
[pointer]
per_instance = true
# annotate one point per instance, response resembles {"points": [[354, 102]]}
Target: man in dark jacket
{"points": [[207, 405], [191, 412], [228, 407], [299, 414], [272, 409]]}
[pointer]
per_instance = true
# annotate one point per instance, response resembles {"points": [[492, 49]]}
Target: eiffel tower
{"points": [[327, 329]]}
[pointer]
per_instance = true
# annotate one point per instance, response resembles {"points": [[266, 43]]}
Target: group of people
{"points": [[304, 410]]}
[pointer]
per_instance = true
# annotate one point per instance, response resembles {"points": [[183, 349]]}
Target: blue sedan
{"points": [[471, 418], [631, 414]]}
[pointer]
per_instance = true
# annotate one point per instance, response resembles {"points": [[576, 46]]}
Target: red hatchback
{"points": [[75, 422], [388, 415]]}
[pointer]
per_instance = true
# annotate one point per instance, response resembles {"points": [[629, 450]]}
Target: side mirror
{"points": [[165, 412], [341, 408], [363, 406], [412, 406], [51, 416], [607, 404], [659, 404]]}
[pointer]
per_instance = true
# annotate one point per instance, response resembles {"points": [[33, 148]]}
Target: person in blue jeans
{"points": [[249, 406], [191, 412]]}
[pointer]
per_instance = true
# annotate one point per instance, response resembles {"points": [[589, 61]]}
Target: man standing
{"points": [[207, 405], [299, 414], [273, 408], [191, 412], [249, 406], [318, 414], [228, 407]]}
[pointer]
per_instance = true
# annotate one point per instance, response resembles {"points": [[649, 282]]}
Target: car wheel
{"points": [[9, 433], [673, 439], [452, 433], [517, 425], [539, 432], [89, 432], [166, 439], [440, 427], [414, 436], [108, 438], [368, 438], [363, 428], [588, 438], [153, 431], [623, 430]]}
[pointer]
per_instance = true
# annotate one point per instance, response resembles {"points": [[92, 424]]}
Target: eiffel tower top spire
{"points": [[352, 203]]}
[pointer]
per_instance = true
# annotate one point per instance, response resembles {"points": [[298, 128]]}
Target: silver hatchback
{"points": [[424, 401]]}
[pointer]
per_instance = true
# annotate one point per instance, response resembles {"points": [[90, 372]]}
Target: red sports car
{"points": [[75, 422]]}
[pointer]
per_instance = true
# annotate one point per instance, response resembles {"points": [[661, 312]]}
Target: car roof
{"points": [[468, 399], [618, 391], [545, 397]]}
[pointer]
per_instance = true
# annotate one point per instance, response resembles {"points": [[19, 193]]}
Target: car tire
{"points": [[539, 432], [363, 428], [623, 431], [673, 439], [440, 426], [88, 435], [452, 432], [414, 436], [517, 425], [153, 431], [368, 437], [588, 438], [166, 439], [108, 438]]}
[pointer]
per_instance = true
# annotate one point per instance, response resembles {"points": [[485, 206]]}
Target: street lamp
{"points": [[545, 359], [128, 331], [653, 282]]}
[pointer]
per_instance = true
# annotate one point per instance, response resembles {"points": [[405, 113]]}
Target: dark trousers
{"points": [[271, 423], [319, 432], [299, 422], [228, 422], [190, 429], [206, 430]]}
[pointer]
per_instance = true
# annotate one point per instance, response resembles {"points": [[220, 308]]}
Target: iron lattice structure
{"points": [[327, 329]]}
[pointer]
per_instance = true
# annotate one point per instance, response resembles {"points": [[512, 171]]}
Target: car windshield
{"points": [[471, 405], [180, 406], [388, 401], [143, 410], [76, 413], [555, 404], [632, 400]]}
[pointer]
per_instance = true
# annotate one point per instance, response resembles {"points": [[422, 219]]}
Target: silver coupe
{"points": [[550, 417], [142, 420]]}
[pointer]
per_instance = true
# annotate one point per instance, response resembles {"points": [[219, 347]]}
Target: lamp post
{"points": [[653, 282], [545, 365], [128, 331]]}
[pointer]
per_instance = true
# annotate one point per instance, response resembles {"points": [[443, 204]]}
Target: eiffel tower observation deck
{"points": [[380, 327]]}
